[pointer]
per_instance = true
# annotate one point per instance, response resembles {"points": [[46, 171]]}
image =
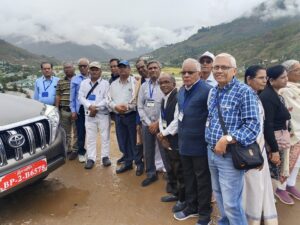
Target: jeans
{"points": [[227, 184], [80, 126], [126, 135]]}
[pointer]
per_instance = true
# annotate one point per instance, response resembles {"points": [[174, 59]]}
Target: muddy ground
{"points": [[73, 195]]}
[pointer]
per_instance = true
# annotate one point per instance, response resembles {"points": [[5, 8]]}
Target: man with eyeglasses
{"points": [[206, 61], [192, 108], [238, 105], [92, 95], [77, 109]]}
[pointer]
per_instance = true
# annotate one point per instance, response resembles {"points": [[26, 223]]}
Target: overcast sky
{"points": [[124, 24]]}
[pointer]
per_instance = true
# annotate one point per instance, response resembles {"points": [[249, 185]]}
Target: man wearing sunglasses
{"points": [[77, 109], [206, 61]]}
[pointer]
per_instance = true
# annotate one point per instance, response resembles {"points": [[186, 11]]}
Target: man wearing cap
{"points": [[63, 104], [122, 101], [45, 86], [206, 61], [92, 95], [78, 110]]}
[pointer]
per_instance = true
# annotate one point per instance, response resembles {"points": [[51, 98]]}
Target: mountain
{"points": [[250, 40], [67, 50], [16, 55]]}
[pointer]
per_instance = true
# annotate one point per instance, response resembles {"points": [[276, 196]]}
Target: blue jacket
{"points": [[191, 130]]}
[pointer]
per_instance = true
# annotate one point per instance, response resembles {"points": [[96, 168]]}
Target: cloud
{"points": [[119, 24], [274, 9]]}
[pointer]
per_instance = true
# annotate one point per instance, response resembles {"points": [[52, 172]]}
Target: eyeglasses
{"points": [[82, 66], [223, 68], [295, 70], [205, 60], [189, 73]]}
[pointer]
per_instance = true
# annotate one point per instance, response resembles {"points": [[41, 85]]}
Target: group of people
{"points": [[152, 117]]}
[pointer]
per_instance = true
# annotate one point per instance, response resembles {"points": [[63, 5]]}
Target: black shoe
{"points": [[179, 206], [106, 162], [89, 164], [123, 169], [139, 170], [73, 155], [149, 180], [121, 160], [169, 198]]}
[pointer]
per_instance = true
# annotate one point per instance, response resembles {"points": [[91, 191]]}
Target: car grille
{"points": [[37, 136]]}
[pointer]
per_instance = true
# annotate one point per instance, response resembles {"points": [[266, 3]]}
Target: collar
{"points": [[44, 78], [127, 81], [229, 85], [189, 88], [168, 95]]}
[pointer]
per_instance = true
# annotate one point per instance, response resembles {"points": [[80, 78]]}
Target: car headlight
{"points": [[53, 115]]}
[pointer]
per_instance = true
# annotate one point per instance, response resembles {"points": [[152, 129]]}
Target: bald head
{"points": [[166, 82]]}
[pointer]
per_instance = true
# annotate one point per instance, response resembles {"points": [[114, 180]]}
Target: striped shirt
{"points": [[239, 106], [63, 90]]}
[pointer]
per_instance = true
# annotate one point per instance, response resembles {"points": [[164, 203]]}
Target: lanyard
{"points": [[45, 88], [151, 91]]}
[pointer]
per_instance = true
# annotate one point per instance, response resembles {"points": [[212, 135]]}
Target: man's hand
{"points": [[122, 108], [221, 146], [153, 127], [160, 136], [74, 116], [275, 158], [93, 111]]}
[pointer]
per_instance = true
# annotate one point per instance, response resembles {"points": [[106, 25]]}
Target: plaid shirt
{"points": [[239, 106]]}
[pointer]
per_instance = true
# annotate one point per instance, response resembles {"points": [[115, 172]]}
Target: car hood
{"points": [[15, 109]]}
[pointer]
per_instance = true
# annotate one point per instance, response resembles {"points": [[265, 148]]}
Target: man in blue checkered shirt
{"points": [[239, 107]]}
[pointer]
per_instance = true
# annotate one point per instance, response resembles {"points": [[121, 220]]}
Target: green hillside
{"points": [[15, 55], [250, 40]]}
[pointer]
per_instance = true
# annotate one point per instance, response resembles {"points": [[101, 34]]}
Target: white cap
{"points": [[95, 64], [207, 54]]}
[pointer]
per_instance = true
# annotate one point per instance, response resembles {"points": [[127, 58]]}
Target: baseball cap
{"points": [[207, 54], [95, 64], [124, 63]]}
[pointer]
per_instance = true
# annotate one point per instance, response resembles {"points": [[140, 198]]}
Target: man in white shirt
{"points": [[206, 61], [92, 95]]}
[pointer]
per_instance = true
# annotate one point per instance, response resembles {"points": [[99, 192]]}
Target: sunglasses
{"points": [[187, 72], [205, 60], [82, 66]]}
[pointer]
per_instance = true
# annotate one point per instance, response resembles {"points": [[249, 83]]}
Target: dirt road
{"points": [[75, 196]]}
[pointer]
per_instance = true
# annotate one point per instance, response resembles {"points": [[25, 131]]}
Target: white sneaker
{"points": [[81, 158]]}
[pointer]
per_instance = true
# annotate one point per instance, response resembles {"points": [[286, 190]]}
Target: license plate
{"points": [[25, 173]]}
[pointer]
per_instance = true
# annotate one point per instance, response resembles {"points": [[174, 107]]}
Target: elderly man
{"points": [[63, 104], [123, 102], [206, 61], [149, 102], [238, 105], [92, 95], [168, 137], [77, 109], [291, 93], [45, 86], [192, 107]]}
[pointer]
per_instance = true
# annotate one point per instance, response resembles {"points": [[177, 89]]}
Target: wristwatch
{"points": [[229, 138]]}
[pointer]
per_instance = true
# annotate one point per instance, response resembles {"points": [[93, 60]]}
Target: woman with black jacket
{"points": [[276, 127]]}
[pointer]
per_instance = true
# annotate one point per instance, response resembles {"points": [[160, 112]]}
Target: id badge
{"points": [[45, 94], [150, 103], [180, 116], [92, 97], [164, 124]]}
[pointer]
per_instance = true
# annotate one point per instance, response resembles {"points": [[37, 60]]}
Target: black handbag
{"points": [[243, 157]]}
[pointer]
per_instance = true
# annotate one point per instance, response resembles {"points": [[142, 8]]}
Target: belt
{"points": [[126, 114], [65, 108]]}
